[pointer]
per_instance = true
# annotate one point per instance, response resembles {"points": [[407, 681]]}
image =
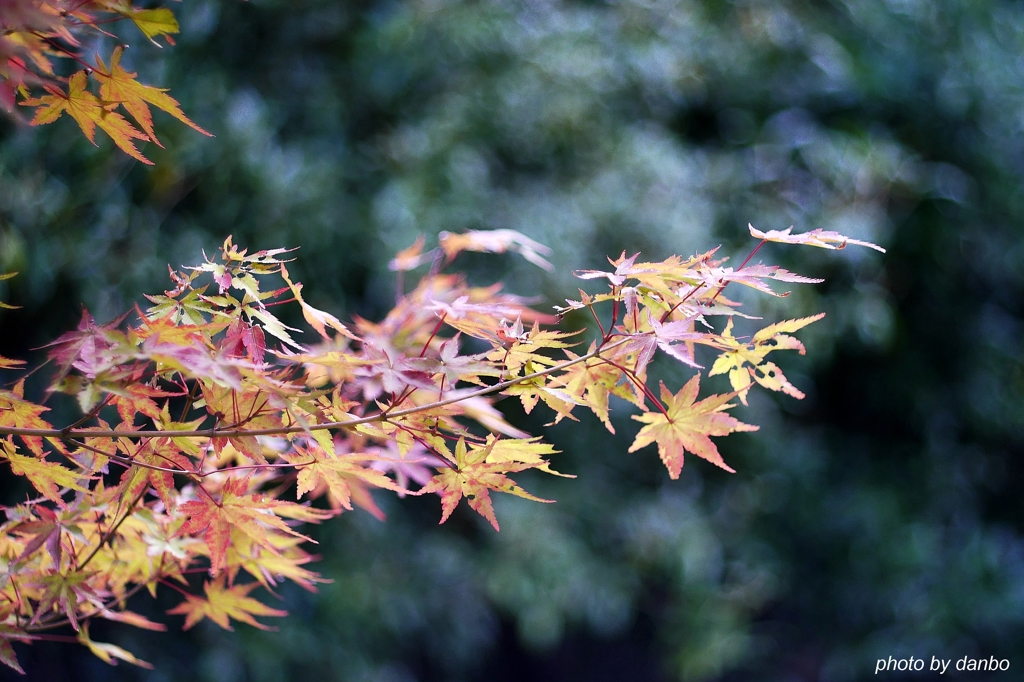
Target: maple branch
{"points": [[72, 434], [189, 400], [615, 315], [437, 328]]}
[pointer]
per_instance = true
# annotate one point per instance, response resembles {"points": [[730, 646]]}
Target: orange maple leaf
{"points": [[17, 412], [254, 515], [89, 112], [222, 604], [120, 86], [687, 425]]}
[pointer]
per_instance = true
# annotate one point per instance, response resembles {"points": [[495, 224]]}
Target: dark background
{"points": [[880, 516]]}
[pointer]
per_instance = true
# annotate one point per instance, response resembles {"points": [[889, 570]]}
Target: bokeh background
{"points": [[880, 516]]}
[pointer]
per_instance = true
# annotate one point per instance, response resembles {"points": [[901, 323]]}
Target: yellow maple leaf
{"points": [[744, 361], [46, 477], [686, 426], [475, 474], [152, 22], [224, 603], [118, 85], [109, 652], [88, 112]]}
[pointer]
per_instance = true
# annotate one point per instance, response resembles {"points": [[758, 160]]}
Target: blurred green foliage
{"points": [[881, 516]]}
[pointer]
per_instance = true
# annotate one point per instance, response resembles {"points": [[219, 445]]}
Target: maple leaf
{"points": [[455, 367], [269, 568], [531, 391], [524, 346], [474, 476], [244, 339], [390, 371], [44, 530], [118, 85], [411, 464], [661, 336], [745, 360], [20, 413], [152, 22], [8, 363], [136, 398], [591, 382], [90, 349], [88, 112], [412, 257], [654, 275], [46, 477], [251, 514], [195, 360], [825, 239], [687, 425], [66, 592], [109, 653], [7, 306], [8, 633], [318, 319], [133, 619], [751, 276], [495, 241], [623, 270], [340, 473], [155, 22], [522, 450], [157, 452], [224, 603]]}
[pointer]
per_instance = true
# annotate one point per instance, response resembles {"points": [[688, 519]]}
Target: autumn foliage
{"points": [[40, 39], [208, 429], [210, 432]]}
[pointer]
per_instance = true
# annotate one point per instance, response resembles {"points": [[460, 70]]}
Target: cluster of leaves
{"points": [[34, 34], [204, 414]]}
